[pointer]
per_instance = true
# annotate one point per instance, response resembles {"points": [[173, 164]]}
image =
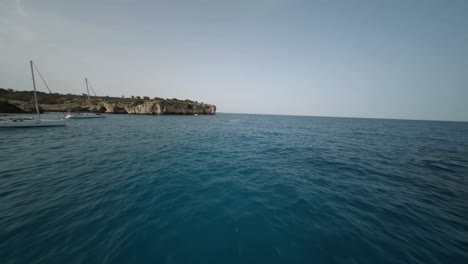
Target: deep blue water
{"points": [[235, 189]]}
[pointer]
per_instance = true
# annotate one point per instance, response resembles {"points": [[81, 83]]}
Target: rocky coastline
{"points": [[14, 102]]}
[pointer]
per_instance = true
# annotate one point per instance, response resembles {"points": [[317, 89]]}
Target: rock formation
{"points": [[158, 107], [11, 106], [7, 107], [146, 106]]}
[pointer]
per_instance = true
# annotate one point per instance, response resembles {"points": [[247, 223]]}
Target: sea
{"points": [[235, 188]]}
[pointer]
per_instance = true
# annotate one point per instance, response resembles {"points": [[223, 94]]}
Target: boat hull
{"points": [[83, 116], [33, 123]]}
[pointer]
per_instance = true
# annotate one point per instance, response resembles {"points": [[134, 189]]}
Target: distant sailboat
{"points": [[85, 115], [30, 121]]}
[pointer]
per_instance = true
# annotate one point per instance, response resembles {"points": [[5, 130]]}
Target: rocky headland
{"points": [[21, 102]]}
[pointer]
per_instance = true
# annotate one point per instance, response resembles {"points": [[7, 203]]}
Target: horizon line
{"points": [[350, 117]]}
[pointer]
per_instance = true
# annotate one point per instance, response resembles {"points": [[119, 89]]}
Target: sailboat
{"points": [[85, 115], [31, 121]]}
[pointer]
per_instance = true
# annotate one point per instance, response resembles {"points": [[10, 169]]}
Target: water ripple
{"points": [[235, 188]]}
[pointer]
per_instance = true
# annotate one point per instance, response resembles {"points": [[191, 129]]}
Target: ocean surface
{"points": [[235, 189]]}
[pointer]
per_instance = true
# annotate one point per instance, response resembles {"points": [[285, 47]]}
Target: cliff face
{"points": [[12, 101], [144, 107], [7, 107], [168, 107], [11, 106]]}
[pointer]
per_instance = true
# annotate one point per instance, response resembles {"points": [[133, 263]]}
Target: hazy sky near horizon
{"points": [[384, 59]]}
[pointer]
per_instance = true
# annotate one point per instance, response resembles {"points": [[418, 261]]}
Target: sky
{"points": [[349, 58]]}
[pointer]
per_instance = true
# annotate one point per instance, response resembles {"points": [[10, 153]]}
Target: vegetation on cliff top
{"points": [[22, 102], [46, 98]]}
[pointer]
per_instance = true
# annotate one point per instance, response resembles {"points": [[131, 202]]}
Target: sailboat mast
{"points": [[87, 90], [35, 93]]}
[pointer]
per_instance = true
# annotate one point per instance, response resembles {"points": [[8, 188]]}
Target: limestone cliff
{"points": [[157, 107], [15, 102], [11, 106], [149, 107]]}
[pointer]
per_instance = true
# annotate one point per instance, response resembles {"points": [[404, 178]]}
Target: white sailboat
{"points": [[85, 115], [31, 121]]}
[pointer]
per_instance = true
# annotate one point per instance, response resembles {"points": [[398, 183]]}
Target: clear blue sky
{"points": [[389, 59]]}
